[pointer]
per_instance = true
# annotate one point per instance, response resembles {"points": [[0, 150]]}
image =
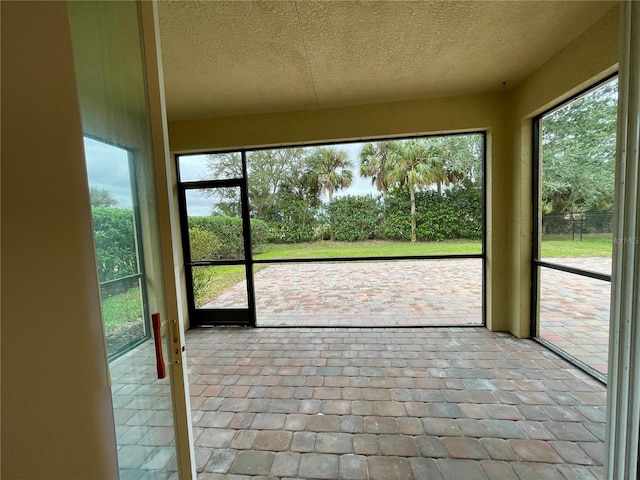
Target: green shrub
{"points": [[295, 222], [115, 242], [204, 280], [355, 218], [229, 232], [203, 244], [454, 215], [396, 224], [261, 234]]}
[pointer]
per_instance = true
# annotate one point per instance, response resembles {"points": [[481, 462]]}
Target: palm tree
{"points": [[414, 164], [374, 163], [331, 169]]}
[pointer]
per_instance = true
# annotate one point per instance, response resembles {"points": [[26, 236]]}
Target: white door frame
{"points": [[169, 238], [623, 402]]}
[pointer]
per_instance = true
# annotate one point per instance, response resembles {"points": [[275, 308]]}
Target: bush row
{"points": [[455, 214], [224, 237], [115, 242]]}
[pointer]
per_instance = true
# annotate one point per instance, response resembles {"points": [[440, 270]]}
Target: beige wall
{"points": [[57, 420], [504, 115]]}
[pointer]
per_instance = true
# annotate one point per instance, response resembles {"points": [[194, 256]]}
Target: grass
{"points": [[210, 282], [121, 310], [564, 246], [370, 248]]}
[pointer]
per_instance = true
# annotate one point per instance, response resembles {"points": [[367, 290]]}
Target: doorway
{"points": [[217, 246]]}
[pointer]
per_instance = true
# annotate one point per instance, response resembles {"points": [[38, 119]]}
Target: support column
{"points": [[623, 407]]}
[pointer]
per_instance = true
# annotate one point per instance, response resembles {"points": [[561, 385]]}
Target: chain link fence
{"points": [[577, 225]]}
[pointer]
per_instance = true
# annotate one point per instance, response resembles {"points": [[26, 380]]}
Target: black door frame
{"points": [[537, 263], [219, 316]]}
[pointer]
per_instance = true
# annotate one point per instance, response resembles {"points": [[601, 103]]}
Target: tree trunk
{"points": [[412, 196], [333, 234]]}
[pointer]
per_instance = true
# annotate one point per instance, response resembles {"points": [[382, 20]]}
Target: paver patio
{"points": [[366, 403], [410, 403], [378, 293], [574, 310]]}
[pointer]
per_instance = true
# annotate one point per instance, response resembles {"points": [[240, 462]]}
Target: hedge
{"points": [[229, 232], [356, 218], [115, 242]]}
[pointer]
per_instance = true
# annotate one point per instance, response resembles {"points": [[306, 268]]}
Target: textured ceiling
{"points": [[244, 57]]}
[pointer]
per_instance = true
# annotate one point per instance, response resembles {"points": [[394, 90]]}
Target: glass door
{"points": [[148, 381], [141, 391], [217, 241]]}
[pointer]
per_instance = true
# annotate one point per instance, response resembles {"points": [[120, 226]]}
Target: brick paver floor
{"points": [[413, 403], [574, 310], [382, 293]]}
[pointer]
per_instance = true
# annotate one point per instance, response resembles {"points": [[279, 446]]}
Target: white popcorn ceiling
{"points": [[224, 58]]}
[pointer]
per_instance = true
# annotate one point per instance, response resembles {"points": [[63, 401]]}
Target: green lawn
{"points": [[210, 282], [564, 246], [371, 248], [552, 246], [121, 310]]}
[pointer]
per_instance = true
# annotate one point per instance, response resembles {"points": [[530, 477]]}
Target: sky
{"points": [[193, 168], [108, 167]]}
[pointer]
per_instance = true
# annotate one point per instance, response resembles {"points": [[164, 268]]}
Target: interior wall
{"points": [[57, 420], [504, 115]]}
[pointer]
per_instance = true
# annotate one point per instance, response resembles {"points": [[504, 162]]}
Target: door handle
{"points": [[157, 339]]}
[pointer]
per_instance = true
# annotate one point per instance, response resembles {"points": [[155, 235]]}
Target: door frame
{"points": [[218, 316], [537, 263]]}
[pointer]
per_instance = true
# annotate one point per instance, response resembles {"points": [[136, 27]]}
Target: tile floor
{"points": [[143, 417], [414, 403]]}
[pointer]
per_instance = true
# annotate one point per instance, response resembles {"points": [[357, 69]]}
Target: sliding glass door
{"points": [[147, 379]]}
